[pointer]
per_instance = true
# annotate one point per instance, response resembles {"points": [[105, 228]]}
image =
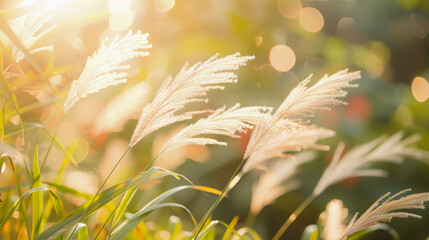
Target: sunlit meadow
{"points": [[214, 119]]}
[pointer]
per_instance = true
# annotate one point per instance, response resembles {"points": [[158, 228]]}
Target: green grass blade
{"points": [[311, 232], [381, 226], [124, 204], [230, 227], [103, 198], [207, 229], [37, 198], [81, 232], [65, 189], [7, 91], [128, 225], [24, 196]]}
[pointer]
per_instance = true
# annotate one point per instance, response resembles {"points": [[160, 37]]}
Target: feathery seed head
{"points": [[297, 139], [385, 208], [277, 180], [226, 122], [32, 26], [106, 66], [358, 161], [301, 101], [190, 85]]}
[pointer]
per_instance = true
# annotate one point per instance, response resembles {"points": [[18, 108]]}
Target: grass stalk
{"points": [[225, 190], [99, 189], [293, 216]]}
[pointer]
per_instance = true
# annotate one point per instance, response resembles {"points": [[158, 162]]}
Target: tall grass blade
{"points": [[37, 198], [103, 198], [27, 194]]}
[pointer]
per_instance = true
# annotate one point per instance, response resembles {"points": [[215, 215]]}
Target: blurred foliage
{"points": [[386, 39]]}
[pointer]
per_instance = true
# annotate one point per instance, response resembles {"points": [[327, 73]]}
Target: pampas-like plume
{"points": [[296, 140], [190, 85], [277, 180], [384, 209], [226, 122], [106, 66], [33, 25], [125, 106], [334, 217], [357, 162], [302, 101]]}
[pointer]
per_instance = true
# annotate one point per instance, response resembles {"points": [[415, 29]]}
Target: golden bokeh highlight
{"points": [[163, 5], [121, 21], [311, 19], [289, 8], [282, 58], [420, 89], [374, 66]]}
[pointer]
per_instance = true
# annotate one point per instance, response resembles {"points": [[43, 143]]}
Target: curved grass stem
{"points": [[231, 183], [99, 189], [133, 190], [293, 216]]}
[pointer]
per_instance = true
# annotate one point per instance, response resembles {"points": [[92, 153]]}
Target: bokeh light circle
{"points": [[311, 19], [282, 58], [289, 8], [420, 89]]}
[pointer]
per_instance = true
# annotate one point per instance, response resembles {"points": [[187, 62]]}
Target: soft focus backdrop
{"points": [[386, 39]]}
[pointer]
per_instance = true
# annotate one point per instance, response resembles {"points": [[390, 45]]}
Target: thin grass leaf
{"points": [[102, 199], [123, 205], [129, 224], [10, 96], [382, 226], [106, 66], [311, 232], [231, 226], [37, 197], [207, 229], [189, 86], [27, 194], [68, 190], [81, 232]]}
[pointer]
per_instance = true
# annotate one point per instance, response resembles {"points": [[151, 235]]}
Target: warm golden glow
{"points": [[282, 58], [118, 5], [374, 66], [311, 19], [289, 8], [420, 89], [163, 5], [77, 43], [121, 21]]}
